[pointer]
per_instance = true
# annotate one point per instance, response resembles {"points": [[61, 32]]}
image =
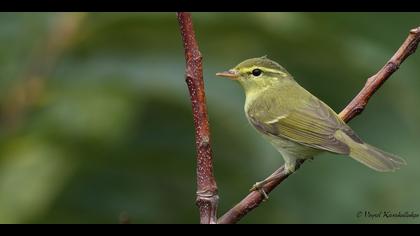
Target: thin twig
{"points": [[354, 108], [358, 104], [207, 197]]}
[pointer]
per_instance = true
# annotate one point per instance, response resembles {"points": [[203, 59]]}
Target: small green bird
{"points": [[297, 123]]}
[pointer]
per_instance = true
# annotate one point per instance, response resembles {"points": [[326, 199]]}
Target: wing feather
{"points": [[310, 123]]}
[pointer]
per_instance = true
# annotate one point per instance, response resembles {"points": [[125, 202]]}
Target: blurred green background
{"points": [[96, 124]]}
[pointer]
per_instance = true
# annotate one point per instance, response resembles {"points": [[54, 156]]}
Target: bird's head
{"points": [[257, 73]]}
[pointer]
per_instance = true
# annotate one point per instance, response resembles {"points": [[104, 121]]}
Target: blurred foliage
{"points": [[99, 126]]}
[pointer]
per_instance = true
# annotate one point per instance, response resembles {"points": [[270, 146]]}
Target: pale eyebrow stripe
{"points": [[265, 69]]}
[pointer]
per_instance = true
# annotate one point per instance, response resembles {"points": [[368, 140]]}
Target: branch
{"points": [[354, 108], [358, 104], [207, 196]]}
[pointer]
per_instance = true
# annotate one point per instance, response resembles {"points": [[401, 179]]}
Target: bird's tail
{"points": [[371, 156]]}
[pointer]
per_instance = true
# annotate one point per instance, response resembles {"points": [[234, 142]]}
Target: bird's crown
{"points": [[262, 63]]}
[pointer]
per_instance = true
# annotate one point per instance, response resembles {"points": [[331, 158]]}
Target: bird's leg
{"points": [[259, 185], [289, 168]]}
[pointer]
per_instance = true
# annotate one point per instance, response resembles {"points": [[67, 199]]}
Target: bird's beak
{"points": [[231, 74]]}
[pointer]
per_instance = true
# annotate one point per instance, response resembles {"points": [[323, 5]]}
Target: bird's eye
{"points": [[256, 72]]}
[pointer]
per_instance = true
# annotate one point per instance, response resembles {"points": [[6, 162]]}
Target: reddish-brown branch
{"points": [[354, 108], [207, 196], [358, 104]]}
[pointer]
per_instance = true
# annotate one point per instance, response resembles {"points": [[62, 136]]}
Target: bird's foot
{"points": [[289, 168], [258, 186]]}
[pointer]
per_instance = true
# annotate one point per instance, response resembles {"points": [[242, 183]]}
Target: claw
{"points": [[258, 186], [264, 194], [254, 187]]}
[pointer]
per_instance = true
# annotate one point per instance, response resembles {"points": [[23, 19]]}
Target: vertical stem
{"points": [[207, 196]]}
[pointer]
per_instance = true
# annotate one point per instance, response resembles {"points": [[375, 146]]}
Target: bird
{"points": [[297, 123]]}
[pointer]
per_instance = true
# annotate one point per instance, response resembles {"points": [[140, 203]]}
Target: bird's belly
{"points": [[289, 147]]}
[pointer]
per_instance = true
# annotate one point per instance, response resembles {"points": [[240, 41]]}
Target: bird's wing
{"points": [[310, 123]]}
